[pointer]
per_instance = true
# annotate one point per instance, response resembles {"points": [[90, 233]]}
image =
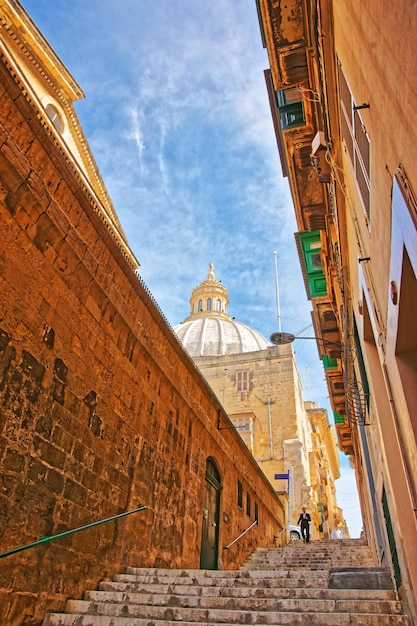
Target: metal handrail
{"points": [[283, 530], [241, 535], [69, 532]]}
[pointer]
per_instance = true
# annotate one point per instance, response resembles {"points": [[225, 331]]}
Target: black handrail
{"points": [[241, 535], [69, 532]]}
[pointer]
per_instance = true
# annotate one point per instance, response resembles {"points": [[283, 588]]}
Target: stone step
{"points": [[348, 546], [318, 546], [253, 603], [195, 573], [250, 578], [258, 591], [214, 576], [299, 620], [304, 561], [299, 566], [318, 585], [275, 580], [361, 556], [171, 616], [314, 559], [303, 554]]}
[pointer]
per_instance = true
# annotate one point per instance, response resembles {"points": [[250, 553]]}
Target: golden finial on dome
{"points": [[210, 275]]}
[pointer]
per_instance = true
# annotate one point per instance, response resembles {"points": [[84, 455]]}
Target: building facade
{"points": [[259, 386], [342, 92], [101, 410]]}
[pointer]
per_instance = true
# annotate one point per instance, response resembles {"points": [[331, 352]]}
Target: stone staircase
{"points": [[316, 555], [317, 584]]}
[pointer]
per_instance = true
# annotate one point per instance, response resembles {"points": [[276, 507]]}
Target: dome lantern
{"points": [[209, 330], [209, 298]]}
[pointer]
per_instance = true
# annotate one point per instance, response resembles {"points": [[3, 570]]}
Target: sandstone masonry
{"points": [[100, 409]]}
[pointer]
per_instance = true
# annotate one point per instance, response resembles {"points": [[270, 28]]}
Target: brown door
{"points": [[210, 531]]}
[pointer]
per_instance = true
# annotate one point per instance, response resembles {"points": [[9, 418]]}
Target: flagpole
{"points": [[277, 292]]}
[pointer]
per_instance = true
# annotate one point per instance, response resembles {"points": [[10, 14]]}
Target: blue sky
{"points": [[177, 116]]}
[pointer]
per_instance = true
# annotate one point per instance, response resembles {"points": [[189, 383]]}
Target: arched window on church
{"points": [[208, 304], [200, 305], [218, 305], [55, 118]]}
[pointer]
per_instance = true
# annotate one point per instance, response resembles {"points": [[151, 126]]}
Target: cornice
{"points": [[51, 144], [27, 54]]}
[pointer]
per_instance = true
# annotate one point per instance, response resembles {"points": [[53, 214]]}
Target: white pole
{"points": [[271, 445], [277, 292]]}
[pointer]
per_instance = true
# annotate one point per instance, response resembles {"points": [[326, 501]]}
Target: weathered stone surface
{"points": [[271, 589], [100, 409], [360, 578]]}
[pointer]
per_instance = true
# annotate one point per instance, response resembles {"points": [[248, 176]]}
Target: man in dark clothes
{"points": [[304, 521]]}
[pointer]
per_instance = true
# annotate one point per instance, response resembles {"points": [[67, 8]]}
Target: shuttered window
{"points": [[242, 381], [356, 140]]}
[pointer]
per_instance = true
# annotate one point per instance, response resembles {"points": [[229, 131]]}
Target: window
{"points": [[309, 246], [338, 419], [328, 363], [55, 118], [200, 305], [291, 108], [315, 258], [239, 494], [218, 305], [248, 504], [242, 382], [242, 423], [209, 304], [356, 140], [256, 512], [212, 473], [244, 426]]}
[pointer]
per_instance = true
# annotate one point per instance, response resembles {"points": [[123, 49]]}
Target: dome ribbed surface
{"points": [[215, 336]]}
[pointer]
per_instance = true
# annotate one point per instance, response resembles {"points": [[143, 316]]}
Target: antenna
{"points": [[277, 292]]}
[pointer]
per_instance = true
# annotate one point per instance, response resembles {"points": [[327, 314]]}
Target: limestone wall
{"points": [[100, 409], [272, 403]]}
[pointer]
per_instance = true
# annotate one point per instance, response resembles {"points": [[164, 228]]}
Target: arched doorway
{"points": [[211, 515]]}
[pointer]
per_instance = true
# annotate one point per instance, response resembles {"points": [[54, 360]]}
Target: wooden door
{"points": [[210, 530]]}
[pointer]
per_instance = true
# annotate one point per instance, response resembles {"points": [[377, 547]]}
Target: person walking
{"points": [[304, 521]]}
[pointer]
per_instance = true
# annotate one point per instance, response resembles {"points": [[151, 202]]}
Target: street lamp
{"points": [[356, 393], [282, 339]]}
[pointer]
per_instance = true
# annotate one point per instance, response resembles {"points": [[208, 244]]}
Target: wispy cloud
{"points": [[136, 134], [178, 119]]}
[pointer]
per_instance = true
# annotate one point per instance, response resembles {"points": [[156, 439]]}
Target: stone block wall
{"points": [[101, 411]]}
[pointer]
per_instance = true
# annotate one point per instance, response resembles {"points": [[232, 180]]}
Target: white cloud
{"points": [[136, 134], [178, 119]]}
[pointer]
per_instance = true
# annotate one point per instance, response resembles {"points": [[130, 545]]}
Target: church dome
{"points": [[209, 330], [215, 336]]}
